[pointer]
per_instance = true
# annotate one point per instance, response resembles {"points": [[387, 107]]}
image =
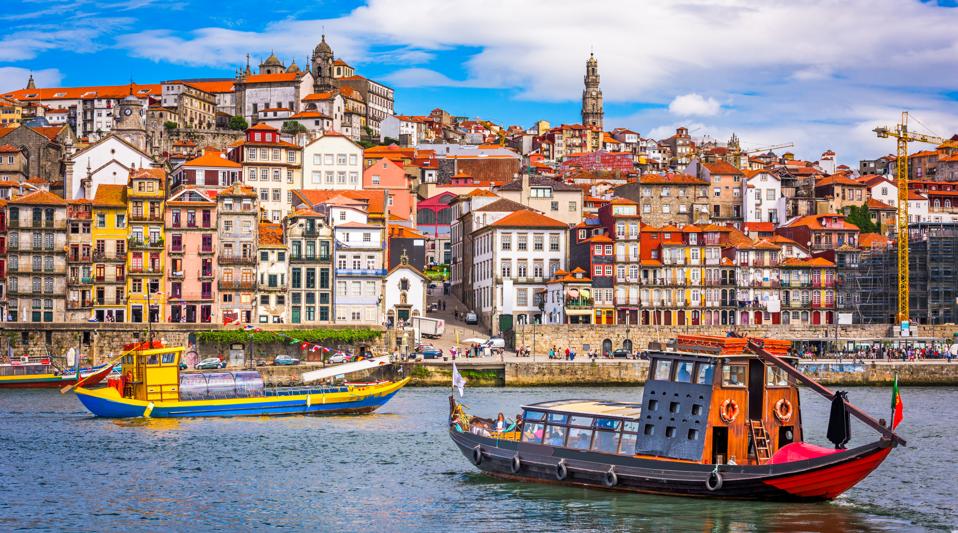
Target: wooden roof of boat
{"points": [[729, 346], [590, 407]]}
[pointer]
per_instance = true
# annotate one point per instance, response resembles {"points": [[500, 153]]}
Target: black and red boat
{"points": [[719, 417]]}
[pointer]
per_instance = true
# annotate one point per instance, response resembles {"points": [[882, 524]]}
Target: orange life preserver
{"points": [[728, 411], [783, 410]]}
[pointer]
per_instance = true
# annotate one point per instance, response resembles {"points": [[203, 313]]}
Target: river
{"points": [[398, 471]]}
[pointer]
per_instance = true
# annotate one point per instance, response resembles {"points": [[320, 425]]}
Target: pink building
{"points": [[191, 247], [387, 175]]}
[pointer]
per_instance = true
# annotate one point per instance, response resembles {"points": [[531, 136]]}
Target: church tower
{"points": [[592, 114], [322, 61], [129, 124]]}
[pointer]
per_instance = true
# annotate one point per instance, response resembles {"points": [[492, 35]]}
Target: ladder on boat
{"points": [[760, 441]]}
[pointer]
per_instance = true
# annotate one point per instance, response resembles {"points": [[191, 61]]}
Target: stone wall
{"points": [[577, 336]]}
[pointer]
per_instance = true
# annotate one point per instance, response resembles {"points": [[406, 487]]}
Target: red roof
{"points": [[272, 78], [528, 219], [212, 159], [722, 167]]}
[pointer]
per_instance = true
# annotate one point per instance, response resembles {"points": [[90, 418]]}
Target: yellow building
{"points": [[11, 112], [145, 288], [108, 235]]}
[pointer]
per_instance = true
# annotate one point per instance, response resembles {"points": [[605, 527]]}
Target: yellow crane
{"points": [[903, 136]]}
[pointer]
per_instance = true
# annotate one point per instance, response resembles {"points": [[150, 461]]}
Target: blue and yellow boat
{"points": [[151, 386]]}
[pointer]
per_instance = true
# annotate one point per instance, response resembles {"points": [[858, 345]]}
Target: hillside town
{"points": [[297, 195]]}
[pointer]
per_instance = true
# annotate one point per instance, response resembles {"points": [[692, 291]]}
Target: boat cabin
{"points": [[706, 402], [151, 372]]}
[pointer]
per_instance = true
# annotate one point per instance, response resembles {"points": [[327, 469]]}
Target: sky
{"points": [[819, 74]]}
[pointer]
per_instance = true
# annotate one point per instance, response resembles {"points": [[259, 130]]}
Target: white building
{"points": [[405, 292], [107, 161], [763, 197], [271, 268], [405, 129], [513, 260], [359, 261], [333, 161]]}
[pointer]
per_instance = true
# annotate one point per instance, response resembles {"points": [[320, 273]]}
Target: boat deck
{"points": [[591, 407], [298, 391]]}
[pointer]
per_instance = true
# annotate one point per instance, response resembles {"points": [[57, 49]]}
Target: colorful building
{"points": [[109, 235], [191, 248], [146, 286]]}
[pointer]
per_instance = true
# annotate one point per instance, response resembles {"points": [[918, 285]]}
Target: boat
{"points": [[719, 417], [152, 386], [42, 373]]}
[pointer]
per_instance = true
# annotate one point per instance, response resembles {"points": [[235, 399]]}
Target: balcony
{"points": [[13, 246], [145, 270], [205, 250], [81, 280], [206, 274], [79, 304], [578, 303], [150, 244], [377, 245], [309, 258], [232, 285], [78, 258], [104, 257], [177, 249], [360, 271], [237, 260], [175, 275], [38, 224], [275, 287]]}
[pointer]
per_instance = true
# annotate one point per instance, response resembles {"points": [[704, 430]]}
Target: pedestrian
{"points": [[567, 354]]}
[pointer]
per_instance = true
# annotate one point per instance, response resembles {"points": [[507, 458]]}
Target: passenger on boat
{"points": [[501, 424]]}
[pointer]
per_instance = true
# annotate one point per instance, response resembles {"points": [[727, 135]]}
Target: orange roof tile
{"points": [[528, 219], [722, 168], [374, 201], [878, 205], [212, 159], [600, 239], [270, 235], [820, 262], [815, 222], [874, 240], [110, 195], [39, 198], [315, 97], [279, 77], [670, 179], [88, 92]]}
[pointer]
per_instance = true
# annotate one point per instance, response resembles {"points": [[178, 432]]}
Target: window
{"points": [[606, 435], [555, 206], [555, 436], [775, 377], [683, 371], [522, 242], [733, 376], [663, 370], [704, 375], [532, 432], [506, 242], [579, 438], [537, 242], [553, 243]]}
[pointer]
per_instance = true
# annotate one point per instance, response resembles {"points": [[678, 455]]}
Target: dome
{"points": [[293, 67], [323, 47], [272, 61]]}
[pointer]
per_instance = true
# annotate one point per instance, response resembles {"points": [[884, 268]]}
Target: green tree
{"points": [[293, 127], [238, 123], [859, 216], [170, 126]]}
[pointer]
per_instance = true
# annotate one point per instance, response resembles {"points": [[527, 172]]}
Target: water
{"points": [[397, 470]]}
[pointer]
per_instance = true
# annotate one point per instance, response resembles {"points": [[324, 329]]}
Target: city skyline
{"points": [[816, 75]]}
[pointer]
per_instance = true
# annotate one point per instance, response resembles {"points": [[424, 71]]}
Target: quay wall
{"points": [[542, 337]]}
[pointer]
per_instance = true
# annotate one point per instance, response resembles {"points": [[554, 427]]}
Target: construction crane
{"points": [[769, 148], [901, 133]]}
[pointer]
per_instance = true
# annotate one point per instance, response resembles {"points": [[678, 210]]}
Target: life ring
{"points": [[728, 411], [516, 464], [611, 479], [561, 471], [783, 410], [714, 481], [477, 455]]}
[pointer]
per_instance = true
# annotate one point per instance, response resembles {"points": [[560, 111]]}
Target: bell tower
{"points": [[129, 124], [592, 114], [322, 63]]}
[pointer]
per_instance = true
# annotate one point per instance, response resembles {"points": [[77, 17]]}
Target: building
{"points": [[274, 86], [79, 261], [310, 241], [11, 112], [36, 257], [109, 236], [13, 163], [514, 258], [107, 161], [360, 260], [194, 107], [434, 220], [727, 184], [191, 254], [380, 100], [333, 161], [668, 198], [271, 166], [272, 269], [678, 149], [568, 298], [405, 292], [763, 197], [837, 192], [46, 149], [390, 177], [146, 267], [592, 113], [621, 221], [211, 170], [237, 225], [556, 199]]}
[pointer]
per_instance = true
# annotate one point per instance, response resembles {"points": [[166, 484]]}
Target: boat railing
{"points": [[298, 391]]}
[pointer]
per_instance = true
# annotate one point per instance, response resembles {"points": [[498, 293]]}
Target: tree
{"points": [[293, 127], [238, 123], [859, 216], [170, 126]]}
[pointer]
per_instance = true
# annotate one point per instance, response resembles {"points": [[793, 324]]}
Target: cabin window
{"points": [[663, 370], [775, 377], [168, 358], [733, 376], [532, 432], [556, 418], [704, 375], [152, 360], [585, 421], [606, 441], [629, 438], [579, 438], [533, 415], [683, 371], [555, 436]]}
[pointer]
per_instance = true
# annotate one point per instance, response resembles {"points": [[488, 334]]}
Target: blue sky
{"points": [[820, 74]]}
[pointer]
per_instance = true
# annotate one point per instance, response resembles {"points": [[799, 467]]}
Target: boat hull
{"points": [[818, 479], [35, 381], [108, 403]]}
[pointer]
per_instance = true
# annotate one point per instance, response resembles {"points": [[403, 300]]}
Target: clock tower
{"points": [[129, 123]]}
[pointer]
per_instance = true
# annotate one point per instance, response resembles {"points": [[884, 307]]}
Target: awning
{"points": [[347, 368]]}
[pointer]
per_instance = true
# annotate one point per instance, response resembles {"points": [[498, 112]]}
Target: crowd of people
{"points": [[888, 353]]}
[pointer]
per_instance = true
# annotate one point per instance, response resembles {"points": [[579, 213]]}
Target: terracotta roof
{"points": [[238, 189], [537, 181], [110, 195], [838, 179], [502, 205], [374, 200], [878, 205], [760, 226], [270, 235], [913, 195], [314, 97], [874, 240], [622, 201], [820, 262], [482, 192], [528, 219], [651, 262], [212, 159], [39, 198], [763, 244], [600, 239], [814, 222], [279, 77], [722, 167], [670, 179], [691, 228], [89, 92], [781, 239], [262, 126], [309, 114], [9, 149], [305, 213], [402, 232]]}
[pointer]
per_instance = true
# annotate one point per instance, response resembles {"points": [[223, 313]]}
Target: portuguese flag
{"points": [[896, 406]]}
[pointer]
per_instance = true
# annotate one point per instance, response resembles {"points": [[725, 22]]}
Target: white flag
{"points": [[458, 381]]}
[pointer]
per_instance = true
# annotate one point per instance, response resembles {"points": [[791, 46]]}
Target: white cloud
{"points": [[13, 78], [694, 104]]}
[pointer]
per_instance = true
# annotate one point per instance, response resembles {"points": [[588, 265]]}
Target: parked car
{"points": [[496, 343], [622, 352], [471, 318], [210, 363], [340, 358], [429, 352], [285, 360]]}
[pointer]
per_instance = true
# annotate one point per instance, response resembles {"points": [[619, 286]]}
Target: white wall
{"points": [[110, 149], [333, 162]]}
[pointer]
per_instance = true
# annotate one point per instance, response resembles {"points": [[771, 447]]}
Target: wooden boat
{"points": [[718, 418], [151, 387], [43, 374]]}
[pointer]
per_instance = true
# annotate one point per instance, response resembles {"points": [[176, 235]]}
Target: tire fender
{"points": [[561, 470], [477, 455], [611, 479], [516, 465], [714, 481]]}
